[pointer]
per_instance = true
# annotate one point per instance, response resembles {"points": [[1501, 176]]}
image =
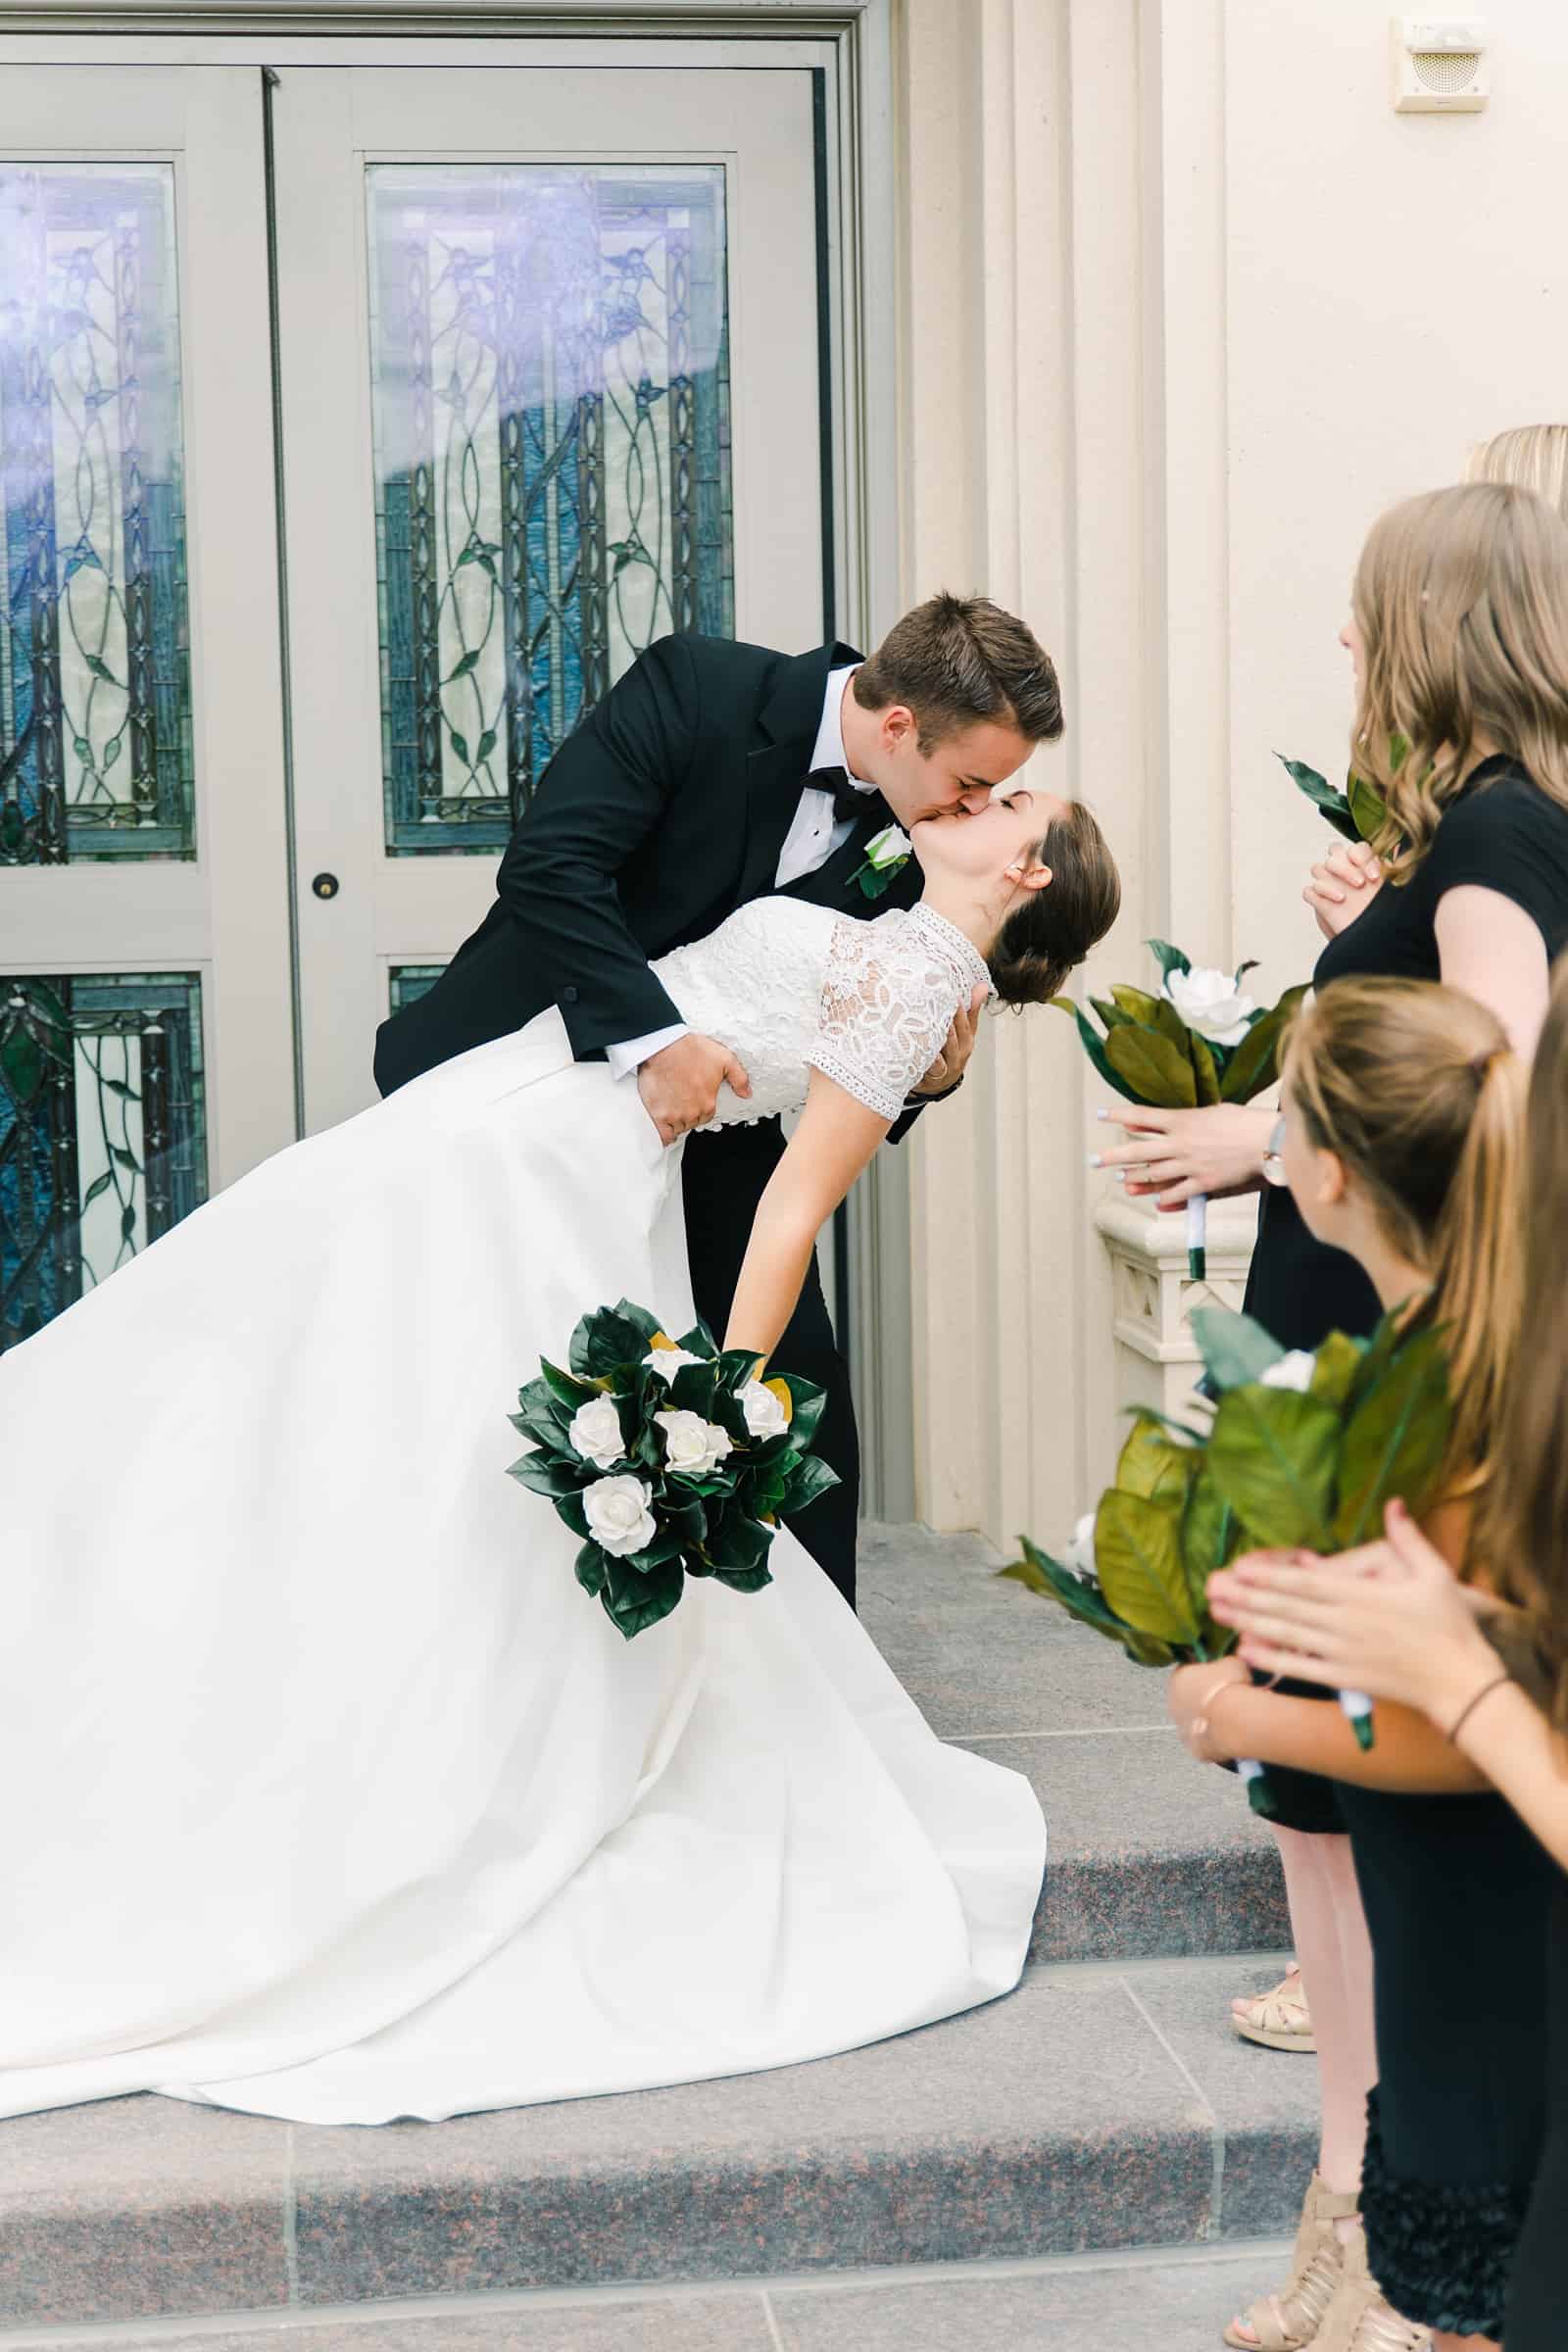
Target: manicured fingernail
{"points": [[1095, 1159], [1121, 1175], [1101, 1115]]}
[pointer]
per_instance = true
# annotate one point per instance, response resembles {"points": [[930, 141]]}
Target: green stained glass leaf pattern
{"points": [[95, 706], [103, 1130], [548, 355]]}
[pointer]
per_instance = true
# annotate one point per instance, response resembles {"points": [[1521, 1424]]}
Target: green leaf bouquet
{"points": [[669, 1458], [1296, 1452], [1200, 1041]]}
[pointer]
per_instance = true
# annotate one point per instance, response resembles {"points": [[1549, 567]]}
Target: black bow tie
{"points": [[852, 802]]}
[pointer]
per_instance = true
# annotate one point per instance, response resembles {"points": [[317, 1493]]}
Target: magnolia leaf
{"points": [[1325, 795], [1094, 1047], [1337, 1369], [1170, 959], [782, 1389], [1368, 814], [1040, 1574], [1155, 1066], [1211, 1535], [743, 1579], [1204, 1069], [699, 1341], [813, 1479], [572, 1512], [1273, 1455], [1254, 1068], [1396, 1440], [692, 1389], [591, 1566], [571, 1391], [1109, 1012], [1138, 1005], [605, 1342], [540, 1428], [543, 1476], [738, 1542], [1140, 1567], [634, 1602], [663, 1548], [648, 1325], [807, 1404], [1155, 1466], [1235, 1349], [1184, 1432]]}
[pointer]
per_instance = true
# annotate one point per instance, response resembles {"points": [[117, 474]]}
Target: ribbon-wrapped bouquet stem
{"points": [[1200, 1041], [1296, 1452], [667, 1458]]}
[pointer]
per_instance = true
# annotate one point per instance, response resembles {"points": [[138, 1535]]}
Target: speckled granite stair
{"points": [[1104, 2106], [1096, 2108]]}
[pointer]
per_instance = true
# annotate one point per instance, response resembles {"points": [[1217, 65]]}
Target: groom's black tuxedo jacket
{"points": [[666, 811]]}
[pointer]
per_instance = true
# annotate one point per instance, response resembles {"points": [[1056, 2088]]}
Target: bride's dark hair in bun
{"points": [[1052, 929]]}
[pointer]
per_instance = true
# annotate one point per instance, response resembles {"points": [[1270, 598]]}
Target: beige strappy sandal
{"points": [[1358, 2318], [1292, 2319], [1278, 2020]]}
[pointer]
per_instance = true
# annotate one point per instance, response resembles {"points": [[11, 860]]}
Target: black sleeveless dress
{"points": [[1502, 833], [1537, 2299]]}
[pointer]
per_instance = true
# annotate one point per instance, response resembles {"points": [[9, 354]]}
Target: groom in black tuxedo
{"points": [[711, 774]]}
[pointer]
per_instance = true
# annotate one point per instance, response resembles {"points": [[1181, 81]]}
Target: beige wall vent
{"points": [[1439, 65]]}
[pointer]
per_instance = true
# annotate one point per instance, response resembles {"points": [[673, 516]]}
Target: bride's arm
{"points": [[832, 1145]]}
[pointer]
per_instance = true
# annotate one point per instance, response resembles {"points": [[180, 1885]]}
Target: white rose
{"points": [[1212, 1003], [1293, 1371], [595, 1433], [668, 1361], [618, 1518], [1079, 1555], [693, 1444], [764, 1413], [889, 848]]}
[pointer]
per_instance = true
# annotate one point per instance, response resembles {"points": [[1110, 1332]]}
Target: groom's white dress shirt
{"points": [[813, 837]]}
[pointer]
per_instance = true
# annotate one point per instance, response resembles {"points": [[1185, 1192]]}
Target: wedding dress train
{"points": [[327, 1792]]}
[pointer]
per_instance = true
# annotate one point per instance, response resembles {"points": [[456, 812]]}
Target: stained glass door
{"points": [[551, 391], [144, 1031]]}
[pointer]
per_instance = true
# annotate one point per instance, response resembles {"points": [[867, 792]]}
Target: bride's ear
{"points": [[1029, 877]]}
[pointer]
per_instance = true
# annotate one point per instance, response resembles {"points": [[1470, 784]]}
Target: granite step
{"points": [[1175, 2300], [1149, 1857], [1097, 2109]]}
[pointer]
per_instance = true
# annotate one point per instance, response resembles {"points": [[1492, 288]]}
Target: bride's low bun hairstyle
{"points": [[1415, 1089], [1051, 930]]}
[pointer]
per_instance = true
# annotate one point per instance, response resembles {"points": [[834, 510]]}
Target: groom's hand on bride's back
{"points": [[953, 1059], [679, 1086]]}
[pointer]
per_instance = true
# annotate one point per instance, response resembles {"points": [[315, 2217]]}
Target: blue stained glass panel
{"points": [[550, 371], [103, 1130], [95, 719]]}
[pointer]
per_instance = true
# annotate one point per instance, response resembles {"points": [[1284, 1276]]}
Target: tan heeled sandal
{"points": [[1358, 2318], [1278, 2020], [1290, 2320]]}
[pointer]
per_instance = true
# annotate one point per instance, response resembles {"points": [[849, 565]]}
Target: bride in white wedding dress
{"points": [[328, 1794]]}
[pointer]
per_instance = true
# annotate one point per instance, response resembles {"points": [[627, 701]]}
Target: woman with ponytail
{"points": [[1404, 1117], [1393, 1620]]}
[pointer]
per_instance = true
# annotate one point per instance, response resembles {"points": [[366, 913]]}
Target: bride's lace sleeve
{"points": [[887, 1005]]}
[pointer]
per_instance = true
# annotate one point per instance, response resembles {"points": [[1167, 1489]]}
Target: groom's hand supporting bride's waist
{"points": [[680, 1085]]}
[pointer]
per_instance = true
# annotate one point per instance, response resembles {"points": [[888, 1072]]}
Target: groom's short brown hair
{"points": [[958, 660]]}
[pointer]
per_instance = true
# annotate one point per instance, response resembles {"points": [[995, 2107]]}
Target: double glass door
{"points": [[359, 427]]}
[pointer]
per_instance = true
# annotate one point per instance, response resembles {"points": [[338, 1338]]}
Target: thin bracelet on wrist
{"points": [[1465, 1713]]}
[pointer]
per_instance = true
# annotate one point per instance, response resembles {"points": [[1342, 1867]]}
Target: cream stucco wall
{"points": [[1184, 304]]}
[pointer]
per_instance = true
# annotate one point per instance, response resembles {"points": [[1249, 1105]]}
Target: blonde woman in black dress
{"points": [[1459, 640]]}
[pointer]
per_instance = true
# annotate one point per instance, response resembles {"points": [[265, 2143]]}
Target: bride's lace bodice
{"points": [[791, 987]]}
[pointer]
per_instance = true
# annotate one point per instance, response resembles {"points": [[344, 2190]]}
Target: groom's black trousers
{"points": [[724, 1176]]}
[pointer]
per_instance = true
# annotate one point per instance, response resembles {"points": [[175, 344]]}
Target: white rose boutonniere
{"points": [[693, 1445], [595, 1433], [617, 1516], [1211, 1002], [885, 855]]}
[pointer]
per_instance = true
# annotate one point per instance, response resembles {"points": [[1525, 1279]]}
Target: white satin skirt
{"points": [[327, 1791]]}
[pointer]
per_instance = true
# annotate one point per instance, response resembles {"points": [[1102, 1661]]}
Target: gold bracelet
{"points": [[1485, 1691]]}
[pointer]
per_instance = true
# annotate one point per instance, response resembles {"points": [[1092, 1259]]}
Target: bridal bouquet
{"points": [[1200, 1041], [1298, 1451], [667, 1458]]}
